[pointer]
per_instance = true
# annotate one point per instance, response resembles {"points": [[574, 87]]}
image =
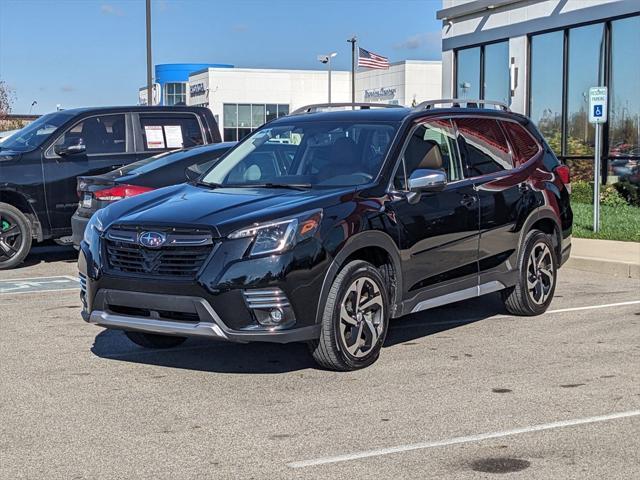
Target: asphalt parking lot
{"points": [[463, 391]]}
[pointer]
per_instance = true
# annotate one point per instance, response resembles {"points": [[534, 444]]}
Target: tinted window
{"points": [[101, 134], [34, 134], [524, 146], [468, 73], [487, 150], [496, 72], [161, 132], [546, 87], [432, 145], [585, 52]]}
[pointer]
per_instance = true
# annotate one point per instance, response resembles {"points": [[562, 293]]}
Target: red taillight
{"points": [[120, 192], [563, 172]]}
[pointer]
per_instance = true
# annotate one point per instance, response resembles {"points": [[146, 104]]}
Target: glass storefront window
{"points": [[230, 114], [244, 116], [257, 115], [271, 112], [496, 72], [468, 73], [242, 119], [585, 63], [545, 107], [624, 92], [283, 110]]}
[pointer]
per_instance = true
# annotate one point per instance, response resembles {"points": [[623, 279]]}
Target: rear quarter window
{"points": [[170, 132], [525, 147]]}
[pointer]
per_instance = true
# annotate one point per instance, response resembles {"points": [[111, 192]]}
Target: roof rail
{"points": [[468, 103], [362, 106]]}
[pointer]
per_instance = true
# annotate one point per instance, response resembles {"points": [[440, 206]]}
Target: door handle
{"points": [[468, 200]]}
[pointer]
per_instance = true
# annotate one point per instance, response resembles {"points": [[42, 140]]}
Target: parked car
{"points": [[378, 213], [40, 163], [169, 168]]}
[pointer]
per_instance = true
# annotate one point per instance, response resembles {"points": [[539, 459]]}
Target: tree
{"points": [[6, 99]]}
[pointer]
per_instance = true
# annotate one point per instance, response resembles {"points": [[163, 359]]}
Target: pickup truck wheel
{"points": [[15, 236], [537, 277], [355, 320], [151, 340]]}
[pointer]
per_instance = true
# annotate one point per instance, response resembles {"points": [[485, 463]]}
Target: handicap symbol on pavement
{"points": [[38, 284]]}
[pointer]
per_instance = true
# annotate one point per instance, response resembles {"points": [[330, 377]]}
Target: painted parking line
{"points": [[458, 440], [39, 284]]}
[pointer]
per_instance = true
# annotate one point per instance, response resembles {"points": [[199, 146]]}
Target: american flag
{"points": [[369, 59]]}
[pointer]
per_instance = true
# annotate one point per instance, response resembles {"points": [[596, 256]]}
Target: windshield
{"points": [[311, 154], [35, 133]]}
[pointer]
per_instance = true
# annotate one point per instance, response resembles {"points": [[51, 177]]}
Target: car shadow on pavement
{"points": [[49, 252], [270, 358]]}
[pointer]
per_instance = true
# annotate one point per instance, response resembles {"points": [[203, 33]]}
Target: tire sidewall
{"points": [[533, 239], [354, 271], [25, 229]]}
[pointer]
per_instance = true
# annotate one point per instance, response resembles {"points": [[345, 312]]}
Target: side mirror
{"points": [[75, 147], [424, 180]]}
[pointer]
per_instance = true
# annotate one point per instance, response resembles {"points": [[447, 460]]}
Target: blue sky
{"points": [[86, 52]]}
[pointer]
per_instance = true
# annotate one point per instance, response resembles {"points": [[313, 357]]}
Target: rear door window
{"points": [[169, 131], [486, 148]]}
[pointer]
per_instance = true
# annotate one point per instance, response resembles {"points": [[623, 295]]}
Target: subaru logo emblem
{"points": [[152, 239]]}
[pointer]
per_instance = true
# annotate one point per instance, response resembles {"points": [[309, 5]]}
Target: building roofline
{"points": [[475, 6]]}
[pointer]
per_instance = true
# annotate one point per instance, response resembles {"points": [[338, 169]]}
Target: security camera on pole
{"points": [[597, 115]]}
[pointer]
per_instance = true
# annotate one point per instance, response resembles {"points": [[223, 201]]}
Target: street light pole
{"points": [[353, 40], [149, 77], [327, 60]]}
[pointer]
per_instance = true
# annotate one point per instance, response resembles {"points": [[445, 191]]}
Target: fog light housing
{"points": [[270, 307]]}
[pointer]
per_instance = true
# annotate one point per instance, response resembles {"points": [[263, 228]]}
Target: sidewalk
{"points": [[621, 259]]}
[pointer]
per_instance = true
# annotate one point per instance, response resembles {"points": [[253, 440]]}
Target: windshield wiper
{"points": [[207, 184], [291, 186]]}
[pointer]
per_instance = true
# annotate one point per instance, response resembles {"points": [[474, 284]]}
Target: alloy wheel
{"points": [[361, 317], [10, 236], [540, 274]]}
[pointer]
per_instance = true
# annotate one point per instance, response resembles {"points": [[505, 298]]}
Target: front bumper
{"points": [[206, 322], [78, 224], [222, 302]]}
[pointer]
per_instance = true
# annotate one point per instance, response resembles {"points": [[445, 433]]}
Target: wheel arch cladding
{"points": [[376, 248], [545, 222]]}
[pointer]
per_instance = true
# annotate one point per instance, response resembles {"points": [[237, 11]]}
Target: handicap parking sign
{"points": [[598, 104]]}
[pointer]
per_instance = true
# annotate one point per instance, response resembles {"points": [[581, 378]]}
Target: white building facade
{"points": [[242, 99]]}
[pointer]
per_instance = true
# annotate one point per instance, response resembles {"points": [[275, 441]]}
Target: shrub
{"points": [[629, 191], [581, 192], [609, 196]]}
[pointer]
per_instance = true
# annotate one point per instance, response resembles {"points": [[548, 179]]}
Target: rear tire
{"points": [[355, 319], [152, 340], [537, 277], [15, 236]]}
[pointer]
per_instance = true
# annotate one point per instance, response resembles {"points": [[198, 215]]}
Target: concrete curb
{"points": [[602, 265]]}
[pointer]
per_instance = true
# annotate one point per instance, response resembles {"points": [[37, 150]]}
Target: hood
{"points": [[222, 209], [8, 155]]}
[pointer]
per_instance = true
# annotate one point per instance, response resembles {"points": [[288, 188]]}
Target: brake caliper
{"points": [[5, 226]]}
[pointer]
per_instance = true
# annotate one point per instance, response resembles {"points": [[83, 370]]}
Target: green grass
{"points": [[616, 223]]}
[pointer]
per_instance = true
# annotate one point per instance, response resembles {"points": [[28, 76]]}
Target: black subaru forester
{"points": [[323, 225]]}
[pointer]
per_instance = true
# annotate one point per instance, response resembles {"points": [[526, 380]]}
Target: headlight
{"points": [[281, 235], [94, 228]]}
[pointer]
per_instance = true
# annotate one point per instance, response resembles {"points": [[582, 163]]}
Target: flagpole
{"points": [[353, 41]]}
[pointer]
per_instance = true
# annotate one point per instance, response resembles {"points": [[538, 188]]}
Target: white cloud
{"points": [[420, 40], [109, 9]]}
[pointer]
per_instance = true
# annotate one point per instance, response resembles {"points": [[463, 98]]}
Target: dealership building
{"points": [[541, 57], [242, 99]]}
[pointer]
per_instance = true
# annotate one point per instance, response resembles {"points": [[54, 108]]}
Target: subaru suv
{"points": [[366, 215]]}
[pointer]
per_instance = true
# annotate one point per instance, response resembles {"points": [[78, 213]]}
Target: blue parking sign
{"points": [[597, 110]]}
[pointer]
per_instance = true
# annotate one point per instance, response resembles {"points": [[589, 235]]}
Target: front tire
{"points": [[152, 340], [355, 319], [537, 277], [15, 236]]}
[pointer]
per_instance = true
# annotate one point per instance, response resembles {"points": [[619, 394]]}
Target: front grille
{"points": [[182, 255]]}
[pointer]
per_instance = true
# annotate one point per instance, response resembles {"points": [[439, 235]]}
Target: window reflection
{"points": [[468, 73], [496, 72], [584, 70], [624, 121], [546, 87]]}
